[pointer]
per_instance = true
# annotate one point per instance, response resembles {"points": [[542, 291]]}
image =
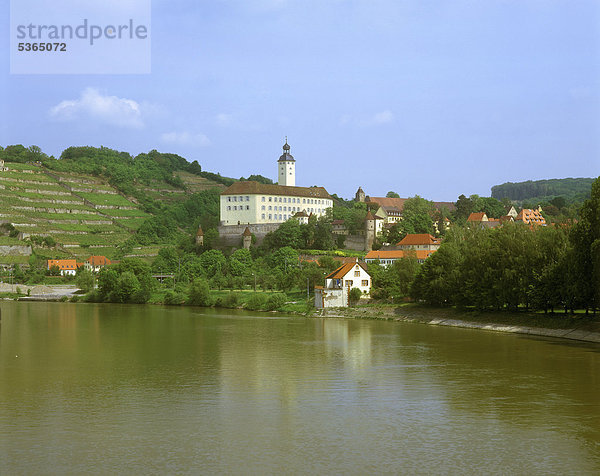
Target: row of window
{"points": [[350, 282], [316, 201], [241, 198], [275, 217], [241, 207]]}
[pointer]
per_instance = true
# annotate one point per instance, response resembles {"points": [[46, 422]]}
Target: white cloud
{"points": [[185, 138], [92, 104], [379, 118]]}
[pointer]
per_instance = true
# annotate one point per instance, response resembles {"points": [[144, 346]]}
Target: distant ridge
{"points": [[570, 188]]}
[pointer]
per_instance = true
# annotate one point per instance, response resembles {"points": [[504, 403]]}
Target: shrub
{"points": [[231, 300], [354, 295], [174, 298], [257, 302], [276, 301], [199, 293]]}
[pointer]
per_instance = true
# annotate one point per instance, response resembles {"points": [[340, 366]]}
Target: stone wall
{"points": [[15, 250], [231, 235]]}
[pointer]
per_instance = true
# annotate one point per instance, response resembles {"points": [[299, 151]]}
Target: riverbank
{"points": [[578, 327]]}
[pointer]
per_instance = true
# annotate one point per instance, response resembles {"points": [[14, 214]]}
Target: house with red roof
{"points": [[419, 241], [387, 258], [531, 217], [339, 283], [68, 267], [96, 263]]}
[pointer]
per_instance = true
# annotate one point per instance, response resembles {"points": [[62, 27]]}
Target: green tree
{"points": [[417, 216], [240, 263], [392, 195], [199, 293], [354, 295], [213, 261], [85, 280]]}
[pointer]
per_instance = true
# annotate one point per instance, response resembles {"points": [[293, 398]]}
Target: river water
{"points": [[111, 389]]}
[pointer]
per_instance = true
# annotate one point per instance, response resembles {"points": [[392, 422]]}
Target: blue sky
{"points": [[435, 98]]}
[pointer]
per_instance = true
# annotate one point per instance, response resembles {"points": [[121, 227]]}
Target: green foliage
{"points": [[392, 195], [354, 295], [569, 188], [231, 300], [257, 302], [199, 293], [417, 216], [276, 301], [240, 263], [258, 178], [174, 298], [85, 280]]}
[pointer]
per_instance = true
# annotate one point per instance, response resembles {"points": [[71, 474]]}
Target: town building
{"points": [[360, 195], [67, 267], [529, 216], [250, 203], [339, 283], [386, 258], [96, 263], [419, 241]]}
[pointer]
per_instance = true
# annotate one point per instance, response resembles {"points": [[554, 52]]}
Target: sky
{"points": [[422, 97]]}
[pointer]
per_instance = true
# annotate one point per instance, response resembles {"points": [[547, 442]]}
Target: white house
{"points": [[339, 283], [248, 202]]}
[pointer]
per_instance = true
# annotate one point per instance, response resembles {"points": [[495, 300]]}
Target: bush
{"points": [[231, 300], [257, 302], [173, 298], [354, 295], [276, 301], [199, 293]]}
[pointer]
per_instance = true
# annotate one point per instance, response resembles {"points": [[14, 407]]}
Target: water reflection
{"points": [[128, 389]]}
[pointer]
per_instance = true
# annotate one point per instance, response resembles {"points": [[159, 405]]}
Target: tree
{"points": [[240, 263], [392, 195], [127, 286], [213, 261], [464, 207], [85, 280], [199, 293], [107, 283], [417, 216]]}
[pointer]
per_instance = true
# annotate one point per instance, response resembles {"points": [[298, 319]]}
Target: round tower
{"points": [[247, 238], [199, 236], [369, 231], [286, 166]]}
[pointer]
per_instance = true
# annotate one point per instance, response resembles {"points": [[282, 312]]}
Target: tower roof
{"points": [[199, 232], [247, 232], [286, 156]]}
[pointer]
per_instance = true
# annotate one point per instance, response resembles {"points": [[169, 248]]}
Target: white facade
{"points": [[267, 208], [250, 203]]}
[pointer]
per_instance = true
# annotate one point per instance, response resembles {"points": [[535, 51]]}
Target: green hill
{"points": [[94, 201], [571, 189]]}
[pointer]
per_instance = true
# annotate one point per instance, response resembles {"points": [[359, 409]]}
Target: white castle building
{"points": [[253, 203]]}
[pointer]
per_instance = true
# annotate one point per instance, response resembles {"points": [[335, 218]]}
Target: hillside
{"points": [[571, 189], [91, 201]]}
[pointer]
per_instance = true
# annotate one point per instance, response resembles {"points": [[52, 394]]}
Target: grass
{"points": [[7, 240], [113, 212]]}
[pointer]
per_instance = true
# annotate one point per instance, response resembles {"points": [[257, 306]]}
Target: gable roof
{"points": [[254, 188], [343, 270], [98, 261], [477, 216], [397, 254], [63, 264], [418, 239]]}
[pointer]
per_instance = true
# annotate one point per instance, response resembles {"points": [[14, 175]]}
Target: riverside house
{"points": [[339, 283]]}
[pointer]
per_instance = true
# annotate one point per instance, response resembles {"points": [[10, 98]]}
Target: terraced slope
{"points": [[78, 211]]}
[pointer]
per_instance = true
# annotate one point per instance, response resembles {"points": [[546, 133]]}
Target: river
{"points": [[125, 389]]}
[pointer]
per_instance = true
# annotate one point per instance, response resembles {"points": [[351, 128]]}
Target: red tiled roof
{"points": [[98, 261], [63, 264], [418, 239], [476, 216], [397, 254], [344, 270]]}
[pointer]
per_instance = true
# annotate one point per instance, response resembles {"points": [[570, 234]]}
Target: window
{"points": [[247, 198], [262, 199], [304, 200], [235, 199], [365, 282], [263, 216], [229, 199], [270, 199], [280, 199], [235, 207], [349, 282], [241, 199], [284, 200], [285, 209], [270, 216], [228, 208], [270, 207], [247, 207], [357, 273], [279, 208], [262, 208]]}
